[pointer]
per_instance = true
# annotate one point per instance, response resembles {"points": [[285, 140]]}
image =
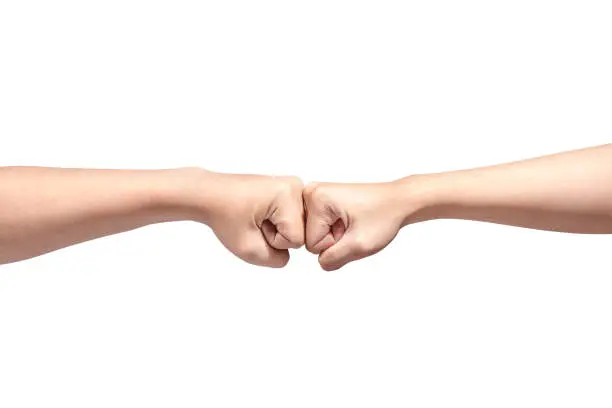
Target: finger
{"points": [[278, 240], [344, 251], [274, 258], [319, 220], [288, 226], [319, 235], [287, 217], [335, 233], [257, 251]]}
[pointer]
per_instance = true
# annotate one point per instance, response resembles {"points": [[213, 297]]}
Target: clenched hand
{"points": [[258, 218], [346, 222]]}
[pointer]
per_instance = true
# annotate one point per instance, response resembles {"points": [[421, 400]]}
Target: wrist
{"points": [[180, 194], [421, 197]]}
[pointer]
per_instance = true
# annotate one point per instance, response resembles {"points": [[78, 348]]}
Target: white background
{"points": [[451, 314]]}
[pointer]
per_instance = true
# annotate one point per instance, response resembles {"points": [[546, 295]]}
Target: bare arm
{"points": [[44, 209], [569, 192]]}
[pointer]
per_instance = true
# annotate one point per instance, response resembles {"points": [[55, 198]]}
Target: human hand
{"points": [[346, 222], [258, 218]]}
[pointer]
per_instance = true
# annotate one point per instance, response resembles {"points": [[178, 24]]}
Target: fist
{"points": [[346, 222], [258, 218]]}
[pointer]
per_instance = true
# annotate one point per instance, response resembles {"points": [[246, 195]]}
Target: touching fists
{"points": [[346, 222], [259, 218]]}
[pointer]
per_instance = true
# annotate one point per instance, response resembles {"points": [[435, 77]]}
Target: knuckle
{"points": [[283, 187], [317, 194], [294, 181], [310, 188]]}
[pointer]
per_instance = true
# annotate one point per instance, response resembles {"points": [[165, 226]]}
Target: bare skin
{"points": [[566, 192], [258, 218]]}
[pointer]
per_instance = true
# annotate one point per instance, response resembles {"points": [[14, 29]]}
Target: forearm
{"points": [[44, 209], [569, 192]]}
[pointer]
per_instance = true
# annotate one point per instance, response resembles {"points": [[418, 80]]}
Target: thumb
{"points": [[349, 248], [256, 250]]}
